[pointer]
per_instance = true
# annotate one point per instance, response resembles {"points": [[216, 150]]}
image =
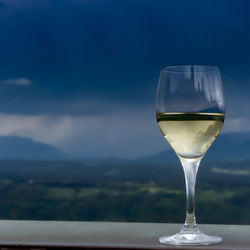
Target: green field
{"points": [[74, 191], [147, 202]]}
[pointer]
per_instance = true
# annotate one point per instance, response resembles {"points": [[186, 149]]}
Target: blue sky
{"points": [[82, 74]]}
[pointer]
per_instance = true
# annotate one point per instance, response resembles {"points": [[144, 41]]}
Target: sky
{"points": [[82, 74]]}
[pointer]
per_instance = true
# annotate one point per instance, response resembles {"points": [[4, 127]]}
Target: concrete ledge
{"points": [[108, 235]]}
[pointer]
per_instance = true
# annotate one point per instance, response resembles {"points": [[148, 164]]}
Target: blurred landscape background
{"points": [[78, 134]]}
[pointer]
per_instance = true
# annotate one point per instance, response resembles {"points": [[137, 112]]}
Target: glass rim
{"points": [[189, 68]]}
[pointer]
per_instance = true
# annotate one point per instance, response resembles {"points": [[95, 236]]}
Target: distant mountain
{"points": [[227, 147], [14, 147]]}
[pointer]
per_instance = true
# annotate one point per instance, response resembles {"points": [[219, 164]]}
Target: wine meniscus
{"points": [[190, 134]]}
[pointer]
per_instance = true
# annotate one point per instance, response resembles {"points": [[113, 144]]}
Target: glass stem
{"points": [[190, 167]]}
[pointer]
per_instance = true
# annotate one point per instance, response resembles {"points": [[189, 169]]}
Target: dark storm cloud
{"points": [[92, 66], [75, 50]]}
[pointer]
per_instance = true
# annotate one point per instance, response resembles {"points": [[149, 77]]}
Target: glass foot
{"points": [[190, 237]]}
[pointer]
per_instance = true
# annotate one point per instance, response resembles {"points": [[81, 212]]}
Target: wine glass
{"points": [[190, 112]]}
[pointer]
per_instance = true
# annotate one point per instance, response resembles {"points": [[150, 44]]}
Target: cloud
{"points": [[126, 133], [237, 125], [37, 127], [17, 81]]}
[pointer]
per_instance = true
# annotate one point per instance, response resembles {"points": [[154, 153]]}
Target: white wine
{"points": [[190, 134]]}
